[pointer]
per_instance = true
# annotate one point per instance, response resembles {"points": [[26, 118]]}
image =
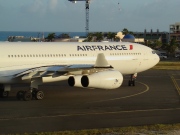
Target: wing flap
{"points": [[58, 70]]}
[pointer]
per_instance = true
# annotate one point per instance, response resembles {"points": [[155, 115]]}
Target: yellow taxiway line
{"points": [[146, 90], [176, 84]]}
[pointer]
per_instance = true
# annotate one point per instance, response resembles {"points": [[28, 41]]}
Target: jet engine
{"points": [[104, 80], [75, 81]]}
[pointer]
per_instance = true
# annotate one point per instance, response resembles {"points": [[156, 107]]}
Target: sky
{"points": [[105, 15]]}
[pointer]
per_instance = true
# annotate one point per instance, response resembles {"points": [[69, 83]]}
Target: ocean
{"points": [[5, 34]]}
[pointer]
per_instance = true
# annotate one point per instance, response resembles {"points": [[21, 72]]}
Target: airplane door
{"points": [[145, 57], [142, 59]]}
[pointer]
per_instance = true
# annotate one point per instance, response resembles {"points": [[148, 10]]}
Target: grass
{"points": [[147, 130], [166, 65]]}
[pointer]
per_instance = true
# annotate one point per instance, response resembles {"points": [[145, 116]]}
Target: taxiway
{"points": [[154, 100]]}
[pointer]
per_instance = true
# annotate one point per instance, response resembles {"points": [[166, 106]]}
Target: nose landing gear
{"points": [[131, 82]]}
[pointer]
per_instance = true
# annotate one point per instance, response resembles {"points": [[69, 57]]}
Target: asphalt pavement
{"points": [[154, 100]]}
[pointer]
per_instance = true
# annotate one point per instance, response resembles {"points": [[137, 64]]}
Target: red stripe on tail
{"points": [[131, 47]]}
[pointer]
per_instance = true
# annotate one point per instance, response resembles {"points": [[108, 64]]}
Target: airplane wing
{"points": [[58, 70]]}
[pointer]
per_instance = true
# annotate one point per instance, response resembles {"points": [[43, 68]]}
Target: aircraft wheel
{"points": [[34, 93], [19, 95], [129, 83], [39, 95], [1, 93], [133, 83], [27, 96], [5, 94]]}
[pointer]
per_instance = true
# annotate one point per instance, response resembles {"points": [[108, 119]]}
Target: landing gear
{"points": [[3, 94], [132, 80], [20, 95], [27, 95], [131, 83], [38, 94], [30, 94]]}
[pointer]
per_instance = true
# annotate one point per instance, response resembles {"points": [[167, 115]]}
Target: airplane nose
{"points": [[157, 59]]}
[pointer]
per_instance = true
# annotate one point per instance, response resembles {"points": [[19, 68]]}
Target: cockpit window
{"points": [[153, 52]]}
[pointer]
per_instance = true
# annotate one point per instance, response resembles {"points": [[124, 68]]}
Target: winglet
{"points": [[101, 61]]}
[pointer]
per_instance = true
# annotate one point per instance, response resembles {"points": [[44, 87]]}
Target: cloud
{"points": [[36, 6], [42, 7], [53, 4], [104, 14]]}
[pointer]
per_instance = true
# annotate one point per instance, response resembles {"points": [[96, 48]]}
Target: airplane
{"points": [[85, 65]]}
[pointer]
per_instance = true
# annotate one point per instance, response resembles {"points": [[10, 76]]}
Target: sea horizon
{"points": [[5, 34]]}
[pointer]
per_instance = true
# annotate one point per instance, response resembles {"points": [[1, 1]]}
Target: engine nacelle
{"points": [[103, 80], [75, 81]]}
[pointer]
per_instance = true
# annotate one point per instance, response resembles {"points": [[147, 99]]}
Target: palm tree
{"points": [[99, 36], [157, 44], [50, 37], [111, 35], [89, 37], [64, 35], [172, 46], [125, 31]]}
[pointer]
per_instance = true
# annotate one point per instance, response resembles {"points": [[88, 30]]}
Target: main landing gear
{"points": [[132, 80], [30, 94], [3, 94]]}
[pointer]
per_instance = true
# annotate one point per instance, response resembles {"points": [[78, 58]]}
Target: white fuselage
{"points": [[127, 58]]}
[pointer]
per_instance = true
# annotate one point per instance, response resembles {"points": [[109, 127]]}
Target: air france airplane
{"points": [[86, 65]]}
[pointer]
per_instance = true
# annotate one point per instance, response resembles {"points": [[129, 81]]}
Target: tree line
{"points": [[100, 36], [52, 36], [170, 47]]}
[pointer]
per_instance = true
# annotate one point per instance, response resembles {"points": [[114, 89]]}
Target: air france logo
{"points": [[104, 47]]}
